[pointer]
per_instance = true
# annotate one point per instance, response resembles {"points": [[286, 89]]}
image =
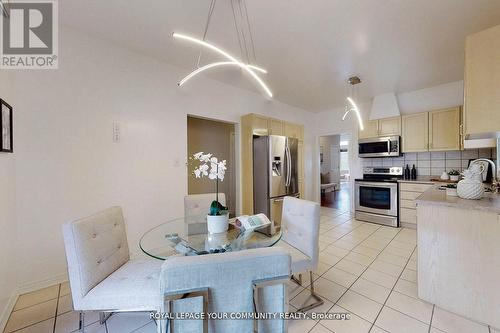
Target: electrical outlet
{"points": [[116, 132]]}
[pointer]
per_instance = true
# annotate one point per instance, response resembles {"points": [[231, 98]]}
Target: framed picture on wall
{"points": [[6, 124]]}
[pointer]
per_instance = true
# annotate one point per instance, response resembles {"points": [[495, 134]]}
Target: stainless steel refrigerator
{"points": [[275, 174]]}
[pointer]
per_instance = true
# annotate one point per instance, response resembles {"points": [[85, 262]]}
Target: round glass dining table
{"points": [[189, 236]]}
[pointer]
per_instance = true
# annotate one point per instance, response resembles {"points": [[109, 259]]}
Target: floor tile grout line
{"points": [[349, 251], [32, 305], [57, 308], [392, 289], [38, 322], [321, 276], [432, 316], [336, 303]]}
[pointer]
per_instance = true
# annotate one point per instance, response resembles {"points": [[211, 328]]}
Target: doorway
{"points": [[335, 172], [217, 138]]}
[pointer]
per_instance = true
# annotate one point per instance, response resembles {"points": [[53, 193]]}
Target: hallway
{"points": [[338, 199]]}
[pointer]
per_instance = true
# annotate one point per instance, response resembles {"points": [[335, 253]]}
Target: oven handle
{"points": [[377, 184]]}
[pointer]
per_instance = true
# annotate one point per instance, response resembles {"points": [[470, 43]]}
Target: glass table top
{"points": [[189, 236]]}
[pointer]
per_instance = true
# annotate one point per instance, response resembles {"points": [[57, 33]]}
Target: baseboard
{"points": [[408, 225], [4, 316], [33, 286]]}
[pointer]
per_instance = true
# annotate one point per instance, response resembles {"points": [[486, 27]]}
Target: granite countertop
{"points": [[490, 202]]}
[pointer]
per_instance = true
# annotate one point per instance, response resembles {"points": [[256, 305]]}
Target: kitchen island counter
{"points": [[434, 196]]}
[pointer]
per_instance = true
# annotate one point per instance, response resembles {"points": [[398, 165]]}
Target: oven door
{"points": [[377, 197], [379, 147]]}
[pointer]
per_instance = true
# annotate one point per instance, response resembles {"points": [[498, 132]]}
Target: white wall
{"points": [[7, 214], [67, 165]]}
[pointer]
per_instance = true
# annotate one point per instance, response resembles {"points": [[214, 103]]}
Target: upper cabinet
{"points": [[482, 82], [276, 127], [294, 131], [389, 126], [415, 132], [381, 127], [370, 131], [444, 129]]}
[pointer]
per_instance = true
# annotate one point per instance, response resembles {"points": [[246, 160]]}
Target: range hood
{"points": [[384, 106]]}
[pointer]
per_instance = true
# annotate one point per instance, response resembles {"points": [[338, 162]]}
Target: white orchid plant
{"points": [[210, 166]]}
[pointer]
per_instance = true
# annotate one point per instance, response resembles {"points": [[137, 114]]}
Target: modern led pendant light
{"points": [[351, 104], [245, 41]]}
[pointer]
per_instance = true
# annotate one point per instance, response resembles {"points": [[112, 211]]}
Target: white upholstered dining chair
{"points": [[300, 226], [101, 275], [199, 204], [248, 281]]}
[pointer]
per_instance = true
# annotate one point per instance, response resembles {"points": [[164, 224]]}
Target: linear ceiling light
{"points": [[217, 64], [214, 48], [354, 108], [351, 106]]}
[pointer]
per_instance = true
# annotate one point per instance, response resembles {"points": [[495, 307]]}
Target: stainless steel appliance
{"points": [[376, 195], [380, 147], [275, 170]]}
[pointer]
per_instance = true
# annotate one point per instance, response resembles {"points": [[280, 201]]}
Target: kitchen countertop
{"points": [[490, 202], [420, 179]]}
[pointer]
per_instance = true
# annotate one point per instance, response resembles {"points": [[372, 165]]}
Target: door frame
{"points": [[318, 165]]}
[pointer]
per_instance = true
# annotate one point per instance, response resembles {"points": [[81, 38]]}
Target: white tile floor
{"points": [[366, 270]]}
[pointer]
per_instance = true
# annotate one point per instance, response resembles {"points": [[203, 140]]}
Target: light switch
{"points": [[116, 132]]}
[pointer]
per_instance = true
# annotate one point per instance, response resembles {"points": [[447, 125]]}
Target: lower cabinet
{"points": [[408, 192]]}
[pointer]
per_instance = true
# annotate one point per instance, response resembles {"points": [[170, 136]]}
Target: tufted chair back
{"points": [[199, 204], [300, 223], [96, 246]]}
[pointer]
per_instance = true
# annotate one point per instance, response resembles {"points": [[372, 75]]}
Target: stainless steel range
{"points": [[376, 195]]}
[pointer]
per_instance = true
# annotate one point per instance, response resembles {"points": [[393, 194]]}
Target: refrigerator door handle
{"points": [[288, 166]]}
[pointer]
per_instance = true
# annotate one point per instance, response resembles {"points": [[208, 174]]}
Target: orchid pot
{"points": [[210, 166]]}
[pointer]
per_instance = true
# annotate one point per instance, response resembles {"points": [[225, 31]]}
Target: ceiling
{"points": [[308, 47]]}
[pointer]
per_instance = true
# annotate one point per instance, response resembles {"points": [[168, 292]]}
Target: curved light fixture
{"points": [[354, 108], [214, 48], [217, 64]]}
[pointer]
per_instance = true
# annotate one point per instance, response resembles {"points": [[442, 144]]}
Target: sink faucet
{"points": [[494, 181]]}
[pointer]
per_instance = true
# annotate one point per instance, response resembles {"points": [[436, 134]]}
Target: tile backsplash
{"points": [[433, 163]]}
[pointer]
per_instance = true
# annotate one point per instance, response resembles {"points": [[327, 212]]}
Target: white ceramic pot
{"points": [[454, 178], [470, 189], [218, 223]]}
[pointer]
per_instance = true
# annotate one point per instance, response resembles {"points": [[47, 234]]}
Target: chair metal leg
{"points": [[81, 326], [319, 300], [297, 281], [104, 316], [170, 298], [258, 284]]}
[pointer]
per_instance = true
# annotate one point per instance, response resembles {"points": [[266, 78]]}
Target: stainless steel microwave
{"points": [[380, 147]]}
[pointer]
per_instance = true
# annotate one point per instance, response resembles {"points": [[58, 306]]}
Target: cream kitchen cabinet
{"points": [[381, 127], [444, 129], [276, 127], [415, 132], [293, 131], [408, 192], [370, 131], [389, 126], [482, 82]]}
